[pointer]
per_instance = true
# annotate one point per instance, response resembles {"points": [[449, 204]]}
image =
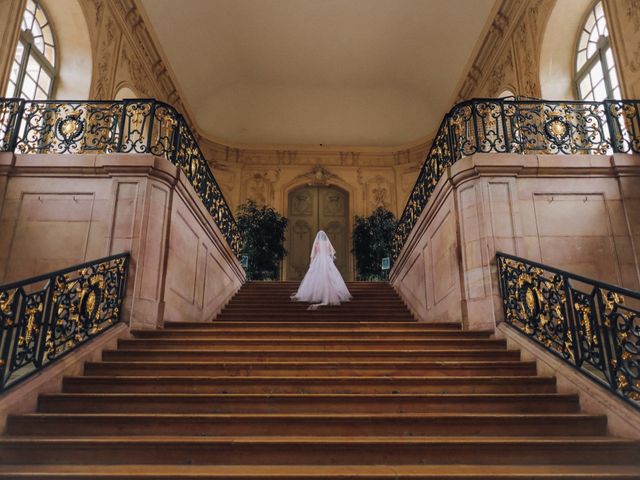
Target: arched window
{"points": [[596, 75], [33, 68]]}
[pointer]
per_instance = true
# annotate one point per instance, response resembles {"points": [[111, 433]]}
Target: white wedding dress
{"points": [[322, 284]]}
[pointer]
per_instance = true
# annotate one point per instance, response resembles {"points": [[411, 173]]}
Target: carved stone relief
{"points": [[625, 32], [131, 70], [379, 193], [318, 176], [503, 74], [259, 185], [510, 51], [108, 45]]}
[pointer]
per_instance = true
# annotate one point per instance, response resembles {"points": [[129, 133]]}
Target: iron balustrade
{"points": [[593, 326], [127, 126], [45, 317], [520, 126]]}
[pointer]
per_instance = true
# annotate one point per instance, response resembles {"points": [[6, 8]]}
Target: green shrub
{"points": [[372, 238], [262, 230]]}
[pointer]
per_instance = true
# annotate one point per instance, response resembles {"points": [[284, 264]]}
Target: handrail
{"points": [[591, 325], [40, 324], [105, 126], [489, 125]]}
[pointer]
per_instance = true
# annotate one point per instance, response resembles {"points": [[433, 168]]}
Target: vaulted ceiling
{"points": [[331, 72]]}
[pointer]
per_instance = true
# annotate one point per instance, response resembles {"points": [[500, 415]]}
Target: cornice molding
{"points": [[217, 153], [131, 14]]}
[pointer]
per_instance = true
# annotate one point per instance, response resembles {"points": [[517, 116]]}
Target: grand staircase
{"points": [[270, 390]]}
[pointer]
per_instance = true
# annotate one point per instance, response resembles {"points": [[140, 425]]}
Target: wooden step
{"points": [[365, 385], [303, 309], [311, 368], [305, 424], [325, 450], [342, 325], [238, 344], [307, 403], [277, 314], [312, 334], [271, 390], [320, 472], [284, 298], [306, 316], [183, 354]]}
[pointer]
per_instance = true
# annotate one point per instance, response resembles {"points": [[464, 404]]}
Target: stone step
{"points": [[304, 369], [320, 472], [321, 450], [82, 424], [308, 355], [301, 385], [308, 403], [238, 344]]}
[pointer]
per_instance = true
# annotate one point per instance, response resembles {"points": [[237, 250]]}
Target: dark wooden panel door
{"points": [[311, 209]]}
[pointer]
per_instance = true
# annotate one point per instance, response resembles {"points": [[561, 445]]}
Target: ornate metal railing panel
{"points": [[520, 126], [9, 117], [128, 126], [593, 326], [45, 317]]}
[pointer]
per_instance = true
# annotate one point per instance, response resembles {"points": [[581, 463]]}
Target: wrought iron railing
{"points": [[593, 326], [520, 126], [45, 317], [128, 126]]}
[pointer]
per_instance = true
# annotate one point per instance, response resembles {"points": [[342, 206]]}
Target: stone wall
{"points": [[624, 18], [60, 210], [508, 57], [125, 55], [580, 213]]}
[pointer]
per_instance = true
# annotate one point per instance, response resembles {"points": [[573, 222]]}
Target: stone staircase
{"points": [[271, 390]]}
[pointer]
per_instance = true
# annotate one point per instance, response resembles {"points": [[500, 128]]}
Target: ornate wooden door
{"points": [[314, 208]]}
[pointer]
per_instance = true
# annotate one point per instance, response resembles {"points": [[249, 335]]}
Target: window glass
{"points": [[596, 75], [33, 66]]}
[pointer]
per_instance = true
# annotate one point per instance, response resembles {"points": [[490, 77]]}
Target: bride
{"points": [[322, 284]]}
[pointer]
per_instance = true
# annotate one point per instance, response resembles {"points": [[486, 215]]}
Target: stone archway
{"points": [[313, 208]]}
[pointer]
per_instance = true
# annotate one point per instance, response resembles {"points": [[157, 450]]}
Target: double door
{"points": [[313, 208]]}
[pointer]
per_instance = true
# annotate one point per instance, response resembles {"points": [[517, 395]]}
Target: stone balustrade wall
{"points": [[59, 210], [580, 213]]}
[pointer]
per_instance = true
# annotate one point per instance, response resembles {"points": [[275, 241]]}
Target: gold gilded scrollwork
{"points": [[531, 310], [31, 312], [600, 335], [73, 305], [7, 306]]}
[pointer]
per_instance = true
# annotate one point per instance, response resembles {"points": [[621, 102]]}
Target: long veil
{"points": [[322, 246], [322, 284]]}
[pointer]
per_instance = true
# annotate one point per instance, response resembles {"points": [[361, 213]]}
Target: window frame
{"points": [[603, 44], [26, 39]]}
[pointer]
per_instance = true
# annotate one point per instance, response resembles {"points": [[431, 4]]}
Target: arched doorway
{"points": [[313, 208]]}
